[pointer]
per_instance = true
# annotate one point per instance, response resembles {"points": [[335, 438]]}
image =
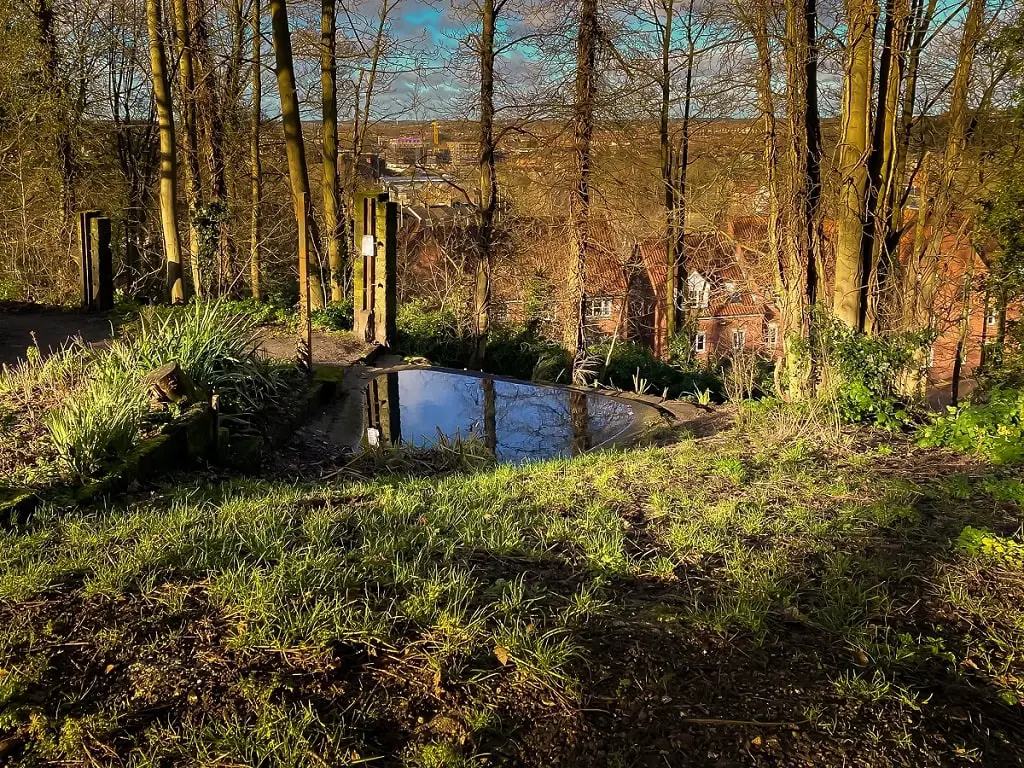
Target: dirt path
{"points": [[333, 348], [52, 329]]}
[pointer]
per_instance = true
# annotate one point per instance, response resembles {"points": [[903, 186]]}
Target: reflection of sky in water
{"points": [[531, 422]]}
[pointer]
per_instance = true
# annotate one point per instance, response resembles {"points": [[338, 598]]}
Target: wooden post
{"points": [[386, 272], [361, 296], [85, 246], [304, 347], [102, 264]]}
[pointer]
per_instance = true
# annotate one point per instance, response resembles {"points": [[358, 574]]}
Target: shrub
{"points": [[261, 312], [629, 360], [994, 429], [336, 316], [520, 351], [867, 371], [436, 334]]}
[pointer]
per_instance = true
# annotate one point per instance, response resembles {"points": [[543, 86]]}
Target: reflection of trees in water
{"points": [[580, 422], [514, 421]]}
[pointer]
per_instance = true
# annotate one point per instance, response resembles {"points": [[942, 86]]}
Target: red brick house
{"points": [[730, 298]]}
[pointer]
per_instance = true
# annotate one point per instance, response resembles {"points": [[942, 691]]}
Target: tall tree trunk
{"points": [[488, 185], [849, 302], [256, 166], [668, 178], [882, 164], [332, 218], [579, 201], [682, 165], [63, 116], [802, 251], [168, 160], [193, 177], [934, 215], [210, 119], [291, 120], [786, 273]]}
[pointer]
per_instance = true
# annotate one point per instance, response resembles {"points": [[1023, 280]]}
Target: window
{"points": [[599, 308], [700, 342], [698, 291], [992, 318], [739, 338], [771, 335], [734, 294]]}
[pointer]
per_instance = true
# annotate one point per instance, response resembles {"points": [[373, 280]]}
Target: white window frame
{"points": [[599, 308], [700, 342], [771, 336], [698, 291], [739, 339], [992, 318]]}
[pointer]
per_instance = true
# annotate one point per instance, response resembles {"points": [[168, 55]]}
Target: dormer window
{"points": [[698, 291]]}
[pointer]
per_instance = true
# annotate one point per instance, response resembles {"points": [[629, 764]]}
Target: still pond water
{"points": [[515, 420]]}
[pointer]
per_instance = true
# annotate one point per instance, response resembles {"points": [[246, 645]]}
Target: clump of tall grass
{"points": [[217, 348], [105, 411], [98, 422]]}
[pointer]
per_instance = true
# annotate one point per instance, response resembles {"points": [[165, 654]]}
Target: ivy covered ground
{"points": [[786, 593]]}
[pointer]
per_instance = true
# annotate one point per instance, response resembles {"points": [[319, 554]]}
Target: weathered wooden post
{"points": [[386, 273], [375, 273], [304, 345], [102, 264], [96, 262]]}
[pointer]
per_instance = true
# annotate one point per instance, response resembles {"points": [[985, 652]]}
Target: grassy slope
{"points": [[761, 598]]}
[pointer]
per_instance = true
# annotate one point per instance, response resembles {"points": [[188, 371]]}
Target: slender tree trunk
{"points": [[682, 165], [849, 303], [168, 160], [193, 177], [579, 201], [256, 166], [295, 149], [488, 185], [668, 180], [332, 218], [801, 254], [63, 117], [882, 179], [210, 120], [933, 217]]}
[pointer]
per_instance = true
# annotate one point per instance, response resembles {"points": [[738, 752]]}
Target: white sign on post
{"points": [[368, 245]]}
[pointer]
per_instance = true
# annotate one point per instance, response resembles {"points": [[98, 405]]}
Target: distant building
{"points": [[464, 152], [406, 150]]}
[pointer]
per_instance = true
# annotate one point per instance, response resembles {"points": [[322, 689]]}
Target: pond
{"points": [[515, 420]]}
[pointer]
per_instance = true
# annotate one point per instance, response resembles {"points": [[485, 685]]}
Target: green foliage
{"points": [[99, 422], [216, 348], [513, 349], [271, 312], [629, 360], [867, 371], [436, 334], [994, 429], [991, 547], [336, 316]]}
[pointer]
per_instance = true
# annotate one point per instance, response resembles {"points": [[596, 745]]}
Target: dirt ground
{"points": [[52, 328]]}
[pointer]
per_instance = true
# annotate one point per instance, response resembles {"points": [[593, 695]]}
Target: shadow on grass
{"points": [[693, 606]]}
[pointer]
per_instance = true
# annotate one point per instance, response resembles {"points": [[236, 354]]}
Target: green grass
{"points": [[611, 605]]}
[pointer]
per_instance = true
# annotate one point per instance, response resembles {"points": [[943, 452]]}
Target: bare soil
{"points": [[51, 328]]}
